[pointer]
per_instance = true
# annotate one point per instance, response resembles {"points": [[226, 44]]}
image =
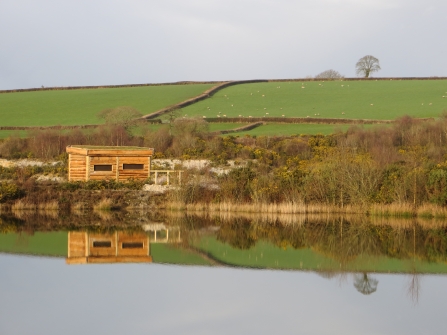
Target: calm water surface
{"points": [[217, 283]]}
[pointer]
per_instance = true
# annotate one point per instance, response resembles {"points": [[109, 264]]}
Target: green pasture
{"points": [[266, 255], [277, 129], [383, 99], [39, 243], [13, 133], [77, 107]]}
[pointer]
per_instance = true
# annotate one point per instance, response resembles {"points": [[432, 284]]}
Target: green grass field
{"points": [[13, 133], [77, 107], [293, 129], [334, 99], [356, 99]]}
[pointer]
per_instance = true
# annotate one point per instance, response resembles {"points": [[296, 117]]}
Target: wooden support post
{"points": [[156, 177], [87, 245], [87, 168], [69, 242], [69, 167], [117, 169], [167, 178]]}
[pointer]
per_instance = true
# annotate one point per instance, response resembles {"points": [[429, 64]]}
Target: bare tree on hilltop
{"points": [[329, 74], [367, 65]]}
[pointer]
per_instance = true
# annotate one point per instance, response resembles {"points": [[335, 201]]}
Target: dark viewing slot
{"points": [[133, 166], [132, 245], [102, 167], [102, 244]]}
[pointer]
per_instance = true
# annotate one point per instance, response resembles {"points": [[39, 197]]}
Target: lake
{"points": [[201, 274]]}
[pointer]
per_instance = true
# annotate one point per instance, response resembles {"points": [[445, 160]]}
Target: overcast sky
{"points": [[98, 42]]}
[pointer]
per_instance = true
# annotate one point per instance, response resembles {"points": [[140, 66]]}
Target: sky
{"points": [[109, 42]]}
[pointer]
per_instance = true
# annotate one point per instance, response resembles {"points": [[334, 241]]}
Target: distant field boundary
{"points": [[59, 127], [67, 88], [310, 120], [239, 129], [234, 82], [205, 95], [208, 93]]}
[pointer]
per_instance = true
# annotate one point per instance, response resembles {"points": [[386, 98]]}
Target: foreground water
{"points": [[220, 276]]}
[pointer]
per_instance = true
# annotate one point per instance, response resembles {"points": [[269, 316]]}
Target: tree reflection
{"points": [[364, 284]]}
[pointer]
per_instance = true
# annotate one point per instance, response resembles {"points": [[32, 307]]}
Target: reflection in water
{"points": [[364, 284], [329, 245], [119, 246]]}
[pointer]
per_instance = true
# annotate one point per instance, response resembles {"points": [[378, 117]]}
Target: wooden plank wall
{"points": [[101, 251], [77, 170], [101, 175], [135, 174], [77, 167], [133, 238], [77, 244], [82, 251]]}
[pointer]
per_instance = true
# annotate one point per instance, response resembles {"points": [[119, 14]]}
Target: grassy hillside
{"points": [[336, 99], [76, 107]]}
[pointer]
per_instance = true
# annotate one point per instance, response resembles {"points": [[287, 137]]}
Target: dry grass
{"points": [[105, 204], [21, 205], [431, 211], [281, 208], [49, 206], [396, 210], [104, 215]]}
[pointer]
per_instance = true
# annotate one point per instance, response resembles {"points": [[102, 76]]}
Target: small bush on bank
{"points": [[9, 191], [96, 185]]}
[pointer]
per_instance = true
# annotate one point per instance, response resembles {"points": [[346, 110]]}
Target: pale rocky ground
{"points": [[158, 164]]}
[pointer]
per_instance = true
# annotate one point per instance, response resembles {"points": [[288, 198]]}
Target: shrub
{"points": [[9, 191]]}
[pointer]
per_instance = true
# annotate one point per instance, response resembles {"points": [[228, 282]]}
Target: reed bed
{"points": [[431, 211], [279, 208], [396, 210]]}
